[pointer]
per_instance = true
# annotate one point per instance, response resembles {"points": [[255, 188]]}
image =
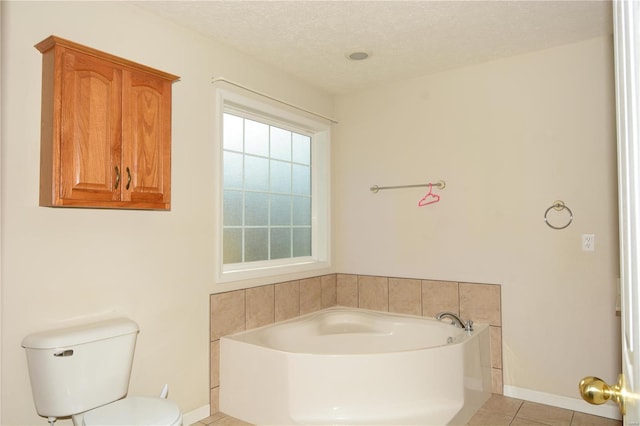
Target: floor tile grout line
{"points": [[515, 415], [518, 410]]}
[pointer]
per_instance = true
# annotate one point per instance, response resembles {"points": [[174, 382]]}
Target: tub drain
{"points": [[449, 340]]}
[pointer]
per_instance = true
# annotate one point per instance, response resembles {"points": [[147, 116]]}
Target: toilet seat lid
{"points": [[136, 410]]}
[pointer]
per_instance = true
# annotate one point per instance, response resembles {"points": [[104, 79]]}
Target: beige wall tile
{"points": [[405, 296], [287, 303], [373, 293], [347, 290], [329, 290], [480, 303], [439, 296], [496, 346], [260, 306], [227, 313], [496, 381], [214, 400], [214, 368], [310, 295]]}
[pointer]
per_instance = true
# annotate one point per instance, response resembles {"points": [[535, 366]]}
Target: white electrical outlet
{"points": [[588, 242]]}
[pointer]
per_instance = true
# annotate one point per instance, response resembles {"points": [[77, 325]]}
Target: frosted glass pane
{"points": [[301, 242], [232, 208], [280, 210], [280, 243], [280, 144], [301, 149], [302, 211], [256, 138], [232, 131], [232, 245], [280, 176], [301, 180], [255, 244], [256, 209], [232, 170], [267, 203], [256, 176]]}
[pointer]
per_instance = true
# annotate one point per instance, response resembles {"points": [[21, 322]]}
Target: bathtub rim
{"points": [[461, 336]]}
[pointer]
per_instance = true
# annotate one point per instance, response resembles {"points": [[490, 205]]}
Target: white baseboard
{"points": [[196, 415], [609, 410]]}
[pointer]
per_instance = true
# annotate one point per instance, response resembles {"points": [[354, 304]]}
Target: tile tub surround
{"points": [[245, 309]]}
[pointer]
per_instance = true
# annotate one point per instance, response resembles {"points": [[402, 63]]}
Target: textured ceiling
{"points": [[310, 39]]}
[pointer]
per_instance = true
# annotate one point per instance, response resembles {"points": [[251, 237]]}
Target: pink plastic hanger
{"points": [[430, 198]]}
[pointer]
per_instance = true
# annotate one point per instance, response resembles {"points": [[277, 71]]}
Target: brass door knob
{"points": [[596, 391]]}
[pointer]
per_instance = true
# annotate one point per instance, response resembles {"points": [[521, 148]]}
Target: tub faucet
{"points": [[455, 320]]}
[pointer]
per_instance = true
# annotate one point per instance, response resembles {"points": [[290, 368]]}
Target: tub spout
{"points": [[455, 320]]}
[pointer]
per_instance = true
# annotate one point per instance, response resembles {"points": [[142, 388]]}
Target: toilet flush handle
{"points": [[165, 391]]}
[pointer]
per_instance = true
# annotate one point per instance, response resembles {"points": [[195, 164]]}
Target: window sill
{"points": [[251, 272]]}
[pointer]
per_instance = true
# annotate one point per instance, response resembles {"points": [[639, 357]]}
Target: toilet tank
{"points": [[79, 368]]}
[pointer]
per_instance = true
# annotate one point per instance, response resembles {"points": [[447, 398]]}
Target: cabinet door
{"points": [[90, 129], [146, 140]]}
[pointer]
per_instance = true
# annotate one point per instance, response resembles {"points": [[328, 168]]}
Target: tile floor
{"points": [[497, 411]]}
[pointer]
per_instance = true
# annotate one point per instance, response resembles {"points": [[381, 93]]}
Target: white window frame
{"points": [[320, 131]]}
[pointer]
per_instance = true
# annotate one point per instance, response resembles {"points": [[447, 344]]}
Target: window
{"points": [[274, 190]]}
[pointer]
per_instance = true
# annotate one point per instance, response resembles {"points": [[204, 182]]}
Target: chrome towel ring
{"points": [[558, 206]]}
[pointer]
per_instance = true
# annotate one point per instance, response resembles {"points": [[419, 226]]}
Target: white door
{"points": [[626, 15]]}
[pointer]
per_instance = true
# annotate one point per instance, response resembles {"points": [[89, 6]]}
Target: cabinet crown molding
{"points": [[53, 41]]}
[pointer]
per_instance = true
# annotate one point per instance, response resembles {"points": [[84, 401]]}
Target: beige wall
{"points": [[62, 265], [509, 138]]}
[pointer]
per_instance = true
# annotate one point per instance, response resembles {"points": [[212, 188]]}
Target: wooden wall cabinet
{"points": [[105, 130]]}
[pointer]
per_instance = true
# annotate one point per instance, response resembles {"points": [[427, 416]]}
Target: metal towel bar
{"points": [[440, 185]]}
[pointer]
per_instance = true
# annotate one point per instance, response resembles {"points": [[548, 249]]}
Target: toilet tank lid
{"points": [[80, 334]]}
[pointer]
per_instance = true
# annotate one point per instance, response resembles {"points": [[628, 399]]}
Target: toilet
{"points": [[83, 372]]}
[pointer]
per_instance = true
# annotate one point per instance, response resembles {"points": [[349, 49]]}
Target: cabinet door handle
{"points": [[117, 177], [128, 178]]}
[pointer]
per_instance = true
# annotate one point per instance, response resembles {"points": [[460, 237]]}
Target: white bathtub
{"points": [[355, 366]]}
